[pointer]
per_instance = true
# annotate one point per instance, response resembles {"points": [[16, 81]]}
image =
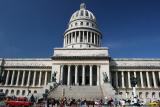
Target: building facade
{"points": [[83, 65]]}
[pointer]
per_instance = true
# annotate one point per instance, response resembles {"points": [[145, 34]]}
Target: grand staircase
{"points": [[77, 92]]}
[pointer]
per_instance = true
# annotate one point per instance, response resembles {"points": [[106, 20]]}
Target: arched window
{"points": [[12, 91], [35, 91], [76, 24], [87, 23], [18, 92], [140, 94], [92, 25], [23, 92], [6, 92], [81, 23], [147, 94], [153, 94]]}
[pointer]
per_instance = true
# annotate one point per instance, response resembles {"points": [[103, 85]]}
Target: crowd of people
{"points": [[64, 102], [71, 102]]}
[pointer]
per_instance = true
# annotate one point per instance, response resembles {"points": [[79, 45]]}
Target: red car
{"points": [[18, 102]]}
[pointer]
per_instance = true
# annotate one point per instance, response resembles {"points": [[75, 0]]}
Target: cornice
{"points": [[80, 58]]}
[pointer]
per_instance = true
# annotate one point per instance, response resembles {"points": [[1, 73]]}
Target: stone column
{"points": [[83, 40], [116, 79], [122, 73], [83, 75], [71, 37], [45, 81], [159, 75], [17, 78], [67, 39], [94, 38], [7, 78], [40, 77], [148, 82], [64, 42], [29, 76], [98, 74], [62, 66], [99, 40], [135, 77], [87, 36], [78, 36], [90, 37], [23, 78], [154, 79], [34, 78], [12, 79], [129, 81], [69, 75], [90, 75], [76, 74], [142, 84]]}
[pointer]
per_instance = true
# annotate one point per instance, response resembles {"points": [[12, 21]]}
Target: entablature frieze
{"points": [[135, 67], [134, 70], [140, 89], [27, 67], [77, 64], [23, 69]]}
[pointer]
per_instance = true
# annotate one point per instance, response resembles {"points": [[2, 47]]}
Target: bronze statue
{"points": [[54, 77], [105, 77]]}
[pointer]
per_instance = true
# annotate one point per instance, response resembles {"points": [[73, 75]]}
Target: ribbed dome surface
{"points": [[82, 13]]}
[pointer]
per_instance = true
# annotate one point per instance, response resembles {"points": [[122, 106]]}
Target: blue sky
{"points": [[32, 28]]}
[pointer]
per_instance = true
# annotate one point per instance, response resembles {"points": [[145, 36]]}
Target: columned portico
{"points": [[85, 76]]}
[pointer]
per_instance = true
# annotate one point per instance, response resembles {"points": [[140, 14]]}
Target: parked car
{"points": [[19, 102], [154, 103]]}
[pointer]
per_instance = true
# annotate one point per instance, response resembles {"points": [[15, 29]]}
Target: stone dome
{"points": [[82, 13], [82, 31]]}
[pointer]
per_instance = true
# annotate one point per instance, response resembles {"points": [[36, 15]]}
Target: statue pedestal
{"points": [[108, 90]]}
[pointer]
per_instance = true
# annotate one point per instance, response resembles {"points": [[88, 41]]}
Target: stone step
{"points": [[88, 92]]}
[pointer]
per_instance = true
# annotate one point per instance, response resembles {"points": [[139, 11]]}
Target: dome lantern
{"points": [[82, 6]]}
